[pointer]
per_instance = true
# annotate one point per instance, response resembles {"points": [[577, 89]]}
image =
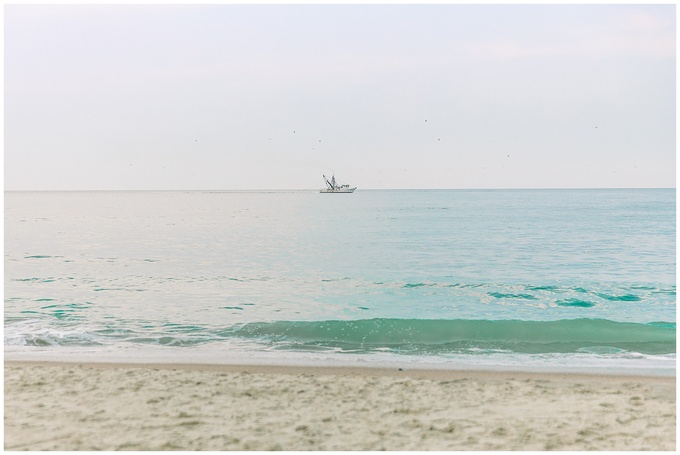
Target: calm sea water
{"points": [[531, 279]]}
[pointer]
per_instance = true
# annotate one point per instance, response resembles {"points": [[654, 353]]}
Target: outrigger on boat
{"points": [[333, 187]]}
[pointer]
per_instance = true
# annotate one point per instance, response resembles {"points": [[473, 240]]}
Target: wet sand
{"points": [[101, 406]]}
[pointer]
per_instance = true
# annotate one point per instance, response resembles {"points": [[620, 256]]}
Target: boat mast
{"points": [[328, 184]]}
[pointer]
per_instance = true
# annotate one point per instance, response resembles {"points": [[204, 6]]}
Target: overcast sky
{"points": [[385, 96]]}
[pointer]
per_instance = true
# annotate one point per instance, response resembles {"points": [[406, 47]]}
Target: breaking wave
{"points": [[440, 336], [399, 336]]}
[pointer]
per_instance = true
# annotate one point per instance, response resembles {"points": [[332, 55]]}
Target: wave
{"points": [[398, 336], [441, 336]]}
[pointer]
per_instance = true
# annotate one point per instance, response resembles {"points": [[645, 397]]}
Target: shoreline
{"points": [[187, 406], [417, 371]]}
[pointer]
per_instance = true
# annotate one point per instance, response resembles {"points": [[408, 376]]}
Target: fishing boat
{"points": [[333, 187]]}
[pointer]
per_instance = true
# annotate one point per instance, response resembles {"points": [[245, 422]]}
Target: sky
{"points": [[229, 97]]}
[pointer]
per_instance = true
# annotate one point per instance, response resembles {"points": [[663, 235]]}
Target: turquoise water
{"points": [[497, 278]]}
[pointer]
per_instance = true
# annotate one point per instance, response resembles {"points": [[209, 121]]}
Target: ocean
{"points": [[544, 280]]}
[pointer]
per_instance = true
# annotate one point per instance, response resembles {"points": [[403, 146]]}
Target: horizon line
{"points": [[235, 190]]}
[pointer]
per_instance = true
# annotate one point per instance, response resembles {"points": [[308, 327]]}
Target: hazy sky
{"points": [[385, 96]]}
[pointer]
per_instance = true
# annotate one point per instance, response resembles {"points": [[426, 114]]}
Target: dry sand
{"points": [[60, 406]]}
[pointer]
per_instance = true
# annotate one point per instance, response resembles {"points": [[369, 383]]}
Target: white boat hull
{"points": [[338, 190]]}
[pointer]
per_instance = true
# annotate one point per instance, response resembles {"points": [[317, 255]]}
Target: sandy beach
{"points": [[71, 406]]}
